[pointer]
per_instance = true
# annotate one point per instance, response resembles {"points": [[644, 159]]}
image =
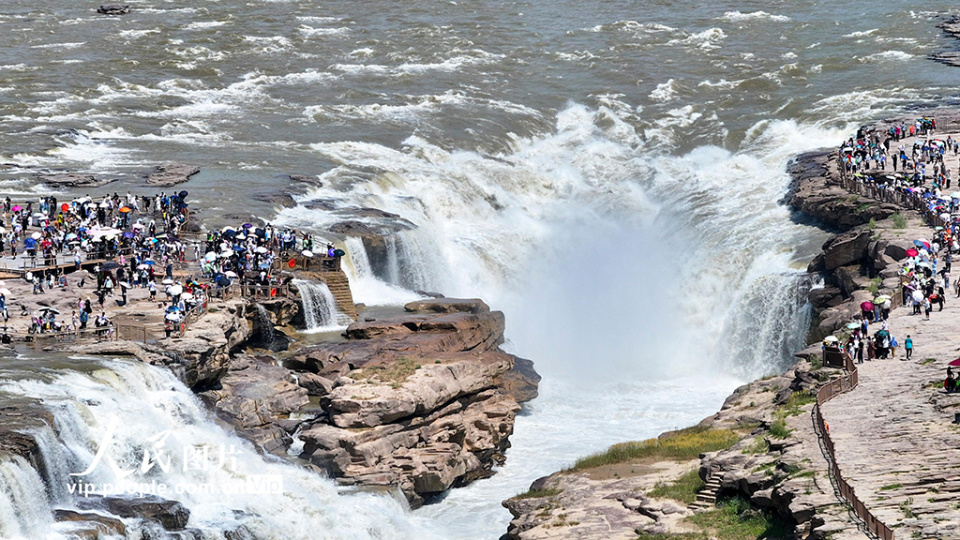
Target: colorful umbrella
{"points": [[65, 207], [124, 209], [912, 252], [17, 208], [866, 306], [955, 363]]}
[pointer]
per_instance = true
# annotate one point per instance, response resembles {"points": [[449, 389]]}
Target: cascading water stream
{"points": [[209, 470], [264, 335], [319, 305]]}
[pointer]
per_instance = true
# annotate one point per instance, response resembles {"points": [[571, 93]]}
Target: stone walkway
{"points": [[894, 436]]}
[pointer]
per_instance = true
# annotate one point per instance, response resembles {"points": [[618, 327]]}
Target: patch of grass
{"points": [[765, 466], [760, 446], [779, 429], [805, 474], [874, 286], [816, 362], [394, 374], [928, 361], [907, 508], [853, 198], [863, 208], [735, 519], [936, 383], [791, 468], [796, 401], [684, 489], [891, 486], [899, 221], [872, 225], [682, 445], [538, 493]]}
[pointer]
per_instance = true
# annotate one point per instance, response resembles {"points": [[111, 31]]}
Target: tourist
{"points": [[908, 346]]}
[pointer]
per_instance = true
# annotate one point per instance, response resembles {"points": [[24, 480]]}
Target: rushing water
{"points": [[319, 306], [607, 174]]}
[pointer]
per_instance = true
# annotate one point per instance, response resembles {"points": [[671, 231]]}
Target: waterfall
{"points": [[24, 512], [144, 410], [319, 305], [264, 328]]}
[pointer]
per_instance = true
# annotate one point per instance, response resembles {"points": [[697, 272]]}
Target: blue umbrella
{"points": [[918, 243], [128, 234], [148, 262]]}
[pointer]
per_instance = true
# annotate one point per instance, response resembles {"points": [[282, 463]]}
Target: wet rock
{"points": [[113, 9], [253, 396], [171, 174], [171, 515], [846, 248], [448, 305], [95, 525], [277, 198], [74, 180], [305, 179], [522, 382], [315, 385]]}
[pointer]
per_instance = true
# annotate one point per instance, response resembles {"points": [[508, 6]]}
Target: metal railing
{"points": [[826, 393], [43, 339]]}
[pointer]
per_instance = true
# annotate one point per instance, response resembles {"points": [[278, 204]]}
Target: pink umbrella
{"points": [[17, 208], [955, 363], [866, 306], [912, 252]]}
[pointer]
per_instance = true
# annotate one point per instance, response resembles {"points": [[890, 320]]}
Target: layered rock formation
{"points": [[424, 401]]}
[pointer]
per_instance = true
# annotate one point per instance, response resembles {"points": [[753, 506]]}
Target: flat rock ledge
{"points": [[171, 174]]}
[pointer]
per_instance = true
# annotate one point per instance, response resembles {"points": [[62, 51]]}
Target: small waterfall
{"points": [[140, 410], [264, 335], [319, 305], [24, 512]]}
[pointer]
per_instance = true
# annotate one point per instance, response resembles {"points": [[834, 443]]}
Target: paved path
{"points": [[894, 436]]}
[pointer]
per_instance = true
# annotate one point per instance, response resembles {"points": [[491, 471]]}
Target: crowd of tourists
{"points": [[135, 242]]}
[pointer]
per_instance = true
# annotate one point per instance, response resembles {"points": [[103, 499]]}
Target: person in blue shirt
{"points": [[908, 345]]}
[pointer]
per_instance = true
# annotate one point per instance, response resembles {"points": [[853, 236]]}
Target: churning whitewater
{"points": [[609, 176]]}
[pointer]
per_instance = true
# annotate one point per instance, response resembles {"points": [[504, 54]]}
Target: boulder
{"points": [[845, 249], [74, 180], [97, 525], [171, 515], [113, 9], [253, 396], [315, 385], [448, 305], [277, 198], [171, 174]]}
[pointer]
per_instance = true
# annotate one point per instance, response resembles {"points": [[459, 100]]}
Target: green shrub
{"points": [[537, 493], [779, 429], [899, 221]]}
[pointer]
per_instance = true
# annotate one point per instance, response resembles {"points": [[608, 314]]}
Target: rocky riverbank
{"points": [[771, 458], [421, 401]]}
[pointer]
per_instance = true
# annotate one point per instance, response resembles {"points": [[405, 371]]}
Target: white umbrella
{"points": [[831, 339], [6, 292], [3, 230], [105, 204], [167, 281], [917, 296], [261, 249], [143, 267], [227, 253], [210, 256], [230, 273], [139, 226], [36, 236], [187, 296], [124, 284], [225, 229], [176, 289], [307, 253]]}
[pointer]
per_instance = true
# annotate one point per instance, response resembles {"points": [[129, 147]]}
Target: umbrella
{"points": [[228, 229], [167, 281], [924, 264], [187, 296], [17, 208], [247, 225], [3, 229], [912, 252], [65, 207], [882, 334], [918, 243], [853, 326], [261, 249], [124, 209], [172, 317], [227, 253], [142, 267], [866, 306], [881, 299], [230, 273], [128, 234], [36, 236], [124, 284], [183, 194], [307, 253], [55, 311], [176, 289], [148, 262], [339, 253], [831, 339], [210, 256], [138, 226], [917, 296], [5, 291], [955, 363]]}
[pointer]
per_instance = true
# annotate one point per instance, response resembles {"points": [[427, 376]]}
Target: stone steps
{"points": [[707, 496], [339, 287]]}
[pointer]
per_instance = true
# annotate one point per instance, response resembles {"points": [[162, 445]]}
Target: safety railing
{"points": [[44, 339], [826, 393]]}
